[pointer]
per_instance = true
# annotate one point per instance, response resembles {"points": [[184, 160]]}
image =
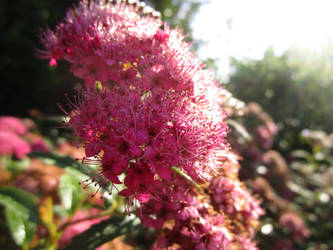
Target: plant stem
{"points": [[187, 177]]}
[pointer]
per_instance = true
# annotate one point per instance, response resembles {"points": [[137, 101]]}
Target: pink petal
{"points": [[142, 136], [126, 192], [143, 198], [164, 173], [119, 166], [135, 151], [112, 177], [53, 62]]}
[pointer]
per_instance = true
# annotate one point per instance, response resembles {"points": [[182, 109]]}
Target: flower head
{"points": [[12, 124], [148, 106], [12, 144], [296, 225]]}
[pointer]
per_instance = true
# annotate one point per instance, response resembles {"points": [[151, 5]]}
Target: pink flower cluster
{"points": [[12, 124], [16, 139], [11, 143], [187, 218], [148, 106], [296, 225], [150, 110]]}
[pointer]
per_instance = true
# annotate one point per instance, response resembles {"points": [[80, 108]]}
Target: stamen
{"points": [[97, 179], [89, 161]]}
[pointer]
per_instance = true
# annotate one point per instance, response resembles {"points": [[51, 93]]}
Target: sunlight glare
{"points": [[245, 29]]}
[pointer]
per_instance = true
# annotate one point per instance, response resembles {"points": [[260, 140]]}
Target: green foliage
{"points": [[13, 165], [17, 166], [296, 89], [62, 161], [313, 184], [22, 230], [20, 213], [70, 193], [24, 202], [105, 231]]}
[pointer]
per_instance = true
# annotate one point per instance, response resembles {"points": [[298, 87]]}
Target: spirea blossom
{"points": [[188, 219], [12, 124], [231, 197], [11, 141], [149, 107], [16, 139], [150, 110], [222, 216], [296, 225], [12, 144]]}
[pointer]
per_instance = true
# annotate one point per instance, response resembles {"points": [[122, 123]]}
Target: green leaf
{"points": [[15, 224], [103, 232], [20, 212], [76, 173], [11, 204], [70, 193], [300, 190], [19, 165], [62, 161], [14, 166], [21, 229], [301, 154], [19, 200]]}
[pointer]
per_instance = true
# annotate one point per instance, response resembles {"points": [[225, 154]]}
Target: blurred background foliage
{"points": [[295, 88], [281, 126]]}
